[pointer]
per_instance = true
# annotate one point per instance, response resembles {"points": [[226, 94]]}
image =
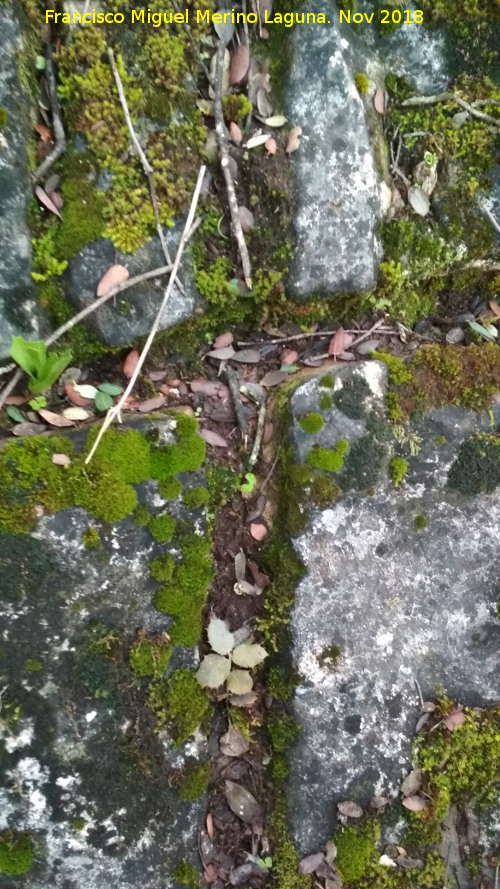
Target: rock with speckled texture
{"points": [[401, 603]]}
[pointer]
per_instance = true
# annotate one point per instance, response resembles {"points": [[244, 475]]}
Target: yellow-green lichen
{"points": [[397, 470]]}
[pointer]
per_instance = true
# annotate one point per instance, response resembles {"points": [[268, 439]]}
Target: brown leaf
{"points": [[495, 308], [337, 342], [116, 274], [233, 743], [412, 783], [56, 199], [224, 339], [16, 399], [293, 141], [247, 700], [235, 132], [454, 719], [264, 104], [268, 433], [258, 531], [52, 183], [309, 864], [75, 397], [240, 565], [213, 438], [43, 132], [46, 201], [21, 429], [210, 875], [242, 802], [259, 578], [211, 388], [130, 363], [210, 826], [54, 419], [240, 62], [274, 378], [246, 219], [414, 803], [423, 720], [222, 354], [350, 809], [289, 357], [379, 100], [347, 356], [247, 356], [61, 459], [151, 404], [270, 146], [156, 375]]}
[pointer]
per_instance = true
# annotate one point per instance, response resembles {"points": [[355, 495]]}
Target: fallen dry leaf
{"points": [[495, 308], [423, 720], [61, 459], [289, 357], [274, 378], [223, 340], [116, 274], [293, 141], [222, 354], [156, 375], [414, 803], [337, 343], [46, 201], [75, 397], [235, 132], [257, 140], [52, 183], [151, 404], [130, 363], [454, 719], [241, 874], [54, 419], [246, 219], [242, 802], [412, 783], [21, 429], [309, 864], [76, 413], [210, 826], [240, 62], [96, 126], [379, 100], [259, 578], [43, 132], [56, 199], [270, 146], [211, 388], [258, 531], [213, 438], [247, 356], [240, 562], [268, 433], [210, 875], [233, 743], [264, 104], [16, 399], [247, 700], [350, 809]]}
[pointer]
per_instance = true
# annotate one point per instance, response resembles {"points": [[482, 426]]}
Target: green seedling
{"points": [[42, 369]]}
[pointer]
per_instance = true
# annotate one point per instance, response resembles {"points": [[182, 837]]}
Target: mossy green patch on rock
{"points": [[324, 491], [325, 401], [185, 874], [397, 470], [420, 522], [326, 381], [355, 850], [351, 398], [327, 459], [162, 567], [185, 592], [127, 450], [476, 468], [362, 83], [16, 852], [195, 497], [91, 539], [311, 422], [185, 456], [149, 656], [179, 704], [194, 782], [162, 528], [170, 488]]}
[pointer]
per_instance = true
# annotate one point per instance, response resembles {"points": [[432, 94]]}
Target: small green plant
{"points": [[42, 369], [311, 422], [265, 863], [361, 82], [16, 853], [397, 469], [328, 459], [249, 484], [420, 522], [101, 395], [195, 497], [430, 159]]}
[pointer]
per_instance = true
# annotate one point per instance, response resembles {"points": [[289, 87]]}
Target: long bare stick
{"points": [[303, 336], [220, 131], [115, 411], [146, 166], [57, 124], [451, 97]]}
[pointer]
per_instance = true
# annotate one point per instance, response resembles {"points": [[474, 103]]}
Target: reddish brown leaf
{"points": [[235, 132], [75, 397], [414, 803], [240, 62], [379, 100], [270, 146], [210, 826], [156, 375], [258, 531], [210, 875], [116, 274], [46, 201], [224, 339], [293, 141], [213, 438], [274, 378], [455, 718], [130, 363], [495, 308], [61, 459], [56, 199], [259, 578], [151, 404], [337, 343], [16, 399], [289, 357], [211, 388], [43, 132], [54, 419]]}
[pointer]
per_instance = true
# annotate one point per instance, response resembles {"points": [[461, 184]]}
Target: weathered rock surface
{"points": [[402, 605], [81, 745], [20, 314], [337, 188], [135, 310]]}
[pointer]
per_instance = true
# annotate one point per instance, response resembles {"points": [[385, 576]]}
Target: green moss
{"points": [[398, 372], [3, 117], [179, 704], [185, 594], [32, 665], [311, 422], [78, 823], [351, 398], [363, 464], [185, 456], [355, 850], [440, 441], [162, 528], [150, 656], [324, 491], [397, 470], [279, 768], [236, 107], [420, 522], [222, 484], [16, 852], [91, 539], [325, 402], [281, 682], [170, 488], [185, 874], [476, 468], [194, 782], [327, 459], [140, 515], [362, 83], [195, 497], [283, 731], [327, 381], [329, 657], [285, 858], [300, 474], [162, 567], [78, 228], [127, 450]]}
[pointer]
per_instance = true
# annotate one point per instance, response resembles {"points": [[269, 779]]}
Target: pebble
{"points": [[367, 346], [465, 317], [477, 304], [455, 335], [421, 326]]}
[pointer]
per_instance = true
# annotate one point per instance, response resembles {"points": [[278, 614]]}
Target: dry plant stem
{"points": [[489, 215], [303, 336], [252, 460], [11, 385], [187, 31], [57, 124], [220, 131], [146, 166], [233, 383], [451, 97], [115, 411]]}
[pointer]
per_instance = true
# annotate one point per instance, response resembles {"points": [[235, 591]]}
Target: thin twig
{"points": [[273, 467], [489, 215], [451, 97], [57, 124], [11, 385], [303, 336], [115, 411], [146, 166], [220, 131], [419, 690], [189, 35], [261, 419]]}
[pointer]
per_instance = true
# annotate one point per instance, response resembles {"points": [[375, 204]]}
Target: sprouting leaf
{"points": [[233, 743], [488, 332], [293, 141], [240, 62], [103, 401], [220, 637], [213, 671], [239, 682], [256, 141], [242, 802], [43, 369], [277, 120], [249, 484], [14, 413], [110, 388], [248, 655], [350, 809], [265, 863], [240, 562], [38, 402], [40, 63], [412, 783], [414, 803], [85, 390], [116, 274], [46, 201]]}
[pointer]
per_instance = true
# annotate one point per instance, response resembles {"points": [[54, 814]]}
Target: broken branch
{"points": [[57, 124]]}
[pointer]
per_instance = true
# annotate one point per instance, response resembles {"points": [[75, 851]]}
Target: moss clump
{"points": [[195, 497], [281, 682], [185, 874], [363, 464], [162, 568], [222, 484], [162, 528], [140, 515], [16, 852], [326, 381], [179, 704], [194, 782], [283, 731], [185, 593], [420, 522], [398, 372], [32, 665], [311, 422], [78, 823], [324, 491], [362, 83], [327, 459], [300, 474], [285, 858], [78, 228], [127, 450], [150, 656], [350, 399], [440, 441], [476, 468], [329, 657], [3, 117], [236, 107], [397, 470], [170, 488], [355, 850], [325, 401], [91, 539], [185, 456]]}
